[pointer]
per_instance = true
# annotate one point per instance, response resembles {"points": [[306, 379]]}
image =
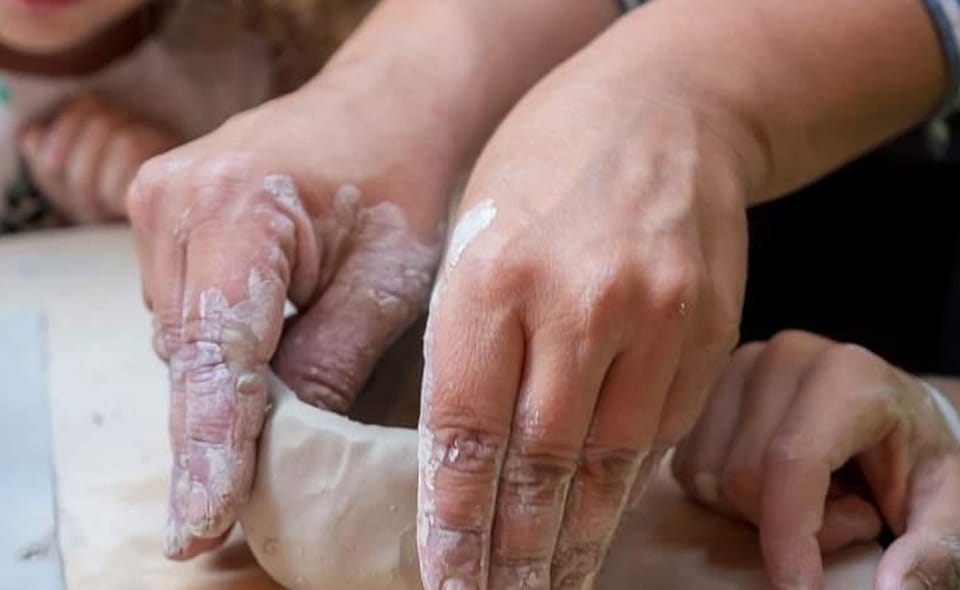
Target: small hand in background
{"points": [[788, 419], [84, 158]]}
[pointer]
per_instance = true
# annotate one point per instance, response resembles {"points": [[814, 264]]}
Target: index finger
{"points": [[217, 275], [473, 359]]}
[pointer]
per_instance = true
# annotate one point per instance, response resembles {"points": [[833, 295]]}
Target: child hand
{"points": [[85, 157], [785, 417]]}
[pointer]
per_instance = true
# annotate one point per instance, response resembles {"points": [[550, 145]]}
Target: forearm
{"points": [[795, 88], [459, 66]]}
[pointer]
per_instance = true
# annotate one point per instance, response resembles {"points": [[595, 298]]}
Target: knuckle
{"points": [[535, 479], [574, 563], [234, 338], [673, 289], [326, 385], [609, 470], [459, 468], [784, 343], [847, 356], [747, 353], [787, 450], [497, 279], [469, 451]]}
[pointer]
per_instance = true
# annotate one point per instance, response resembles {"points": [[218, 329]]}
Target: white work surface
{"points": [[109, 399]]}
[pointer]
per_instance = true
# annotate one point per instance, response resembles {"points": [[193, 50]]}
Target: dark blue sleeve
{"points": [[628, 5], [946, 18]]}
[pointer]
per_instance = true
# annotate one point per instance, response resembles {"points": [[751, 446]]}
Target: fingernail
{"points": [[198, 509], [913, 583], [457, 584]]}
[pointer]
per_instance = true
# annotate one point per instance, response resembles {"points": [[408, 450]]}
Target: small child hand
{"points": [[784, 419], [85, 157]]}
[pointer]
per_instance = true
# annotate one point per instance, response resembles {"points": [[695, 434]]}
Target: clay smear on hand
{"points": [[360, 277], [452, 557]]}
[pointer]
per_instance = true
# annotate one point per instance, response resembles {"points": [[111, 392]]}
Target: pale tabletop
{"points": [[108, 398]]}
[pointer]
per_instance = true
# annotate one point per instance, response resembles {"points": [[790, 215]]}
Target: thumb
{"points": [[927, 555], [329, 351], [922, 560]]}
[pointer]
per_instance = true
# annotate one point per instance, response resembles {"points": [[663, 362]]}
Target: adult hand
{"points": [[594, 287], [591, 293], [310, 199], [784, 419], [85, 157], [331, 197]]}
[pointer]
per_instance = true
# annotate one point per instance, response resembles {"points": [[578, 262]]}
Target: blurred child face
{"points": [[47, 26]]}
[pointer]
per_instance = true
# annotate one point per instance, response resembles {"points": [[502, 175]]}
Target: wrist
{"points": [[649, 79], [400, 97], [795, 83], [458, 67]]}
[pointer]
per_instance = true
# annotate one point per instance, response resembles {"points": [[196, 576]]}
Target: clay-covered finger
{"points": [[329, 351], [620, 438], [217, 275], [472, 369], [558, 394], [474, 348]]}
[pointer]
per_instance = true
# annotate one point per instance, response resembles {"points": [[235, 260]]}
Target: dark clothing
{"points": [[869, 255]]}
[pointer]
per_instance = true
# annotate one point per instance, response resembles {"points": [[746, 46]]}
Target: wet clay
{"points": [[334, 501]]}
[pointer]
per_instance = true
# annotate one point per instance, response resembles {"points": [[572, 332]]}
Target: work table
{"points": [[108, 405]]}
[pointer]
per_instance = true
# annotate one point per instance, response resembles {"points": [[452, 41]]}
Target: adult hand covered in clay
{"points": [[592, 289], [85, 157], [306, 198], [785, 417], [332, 197]]}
